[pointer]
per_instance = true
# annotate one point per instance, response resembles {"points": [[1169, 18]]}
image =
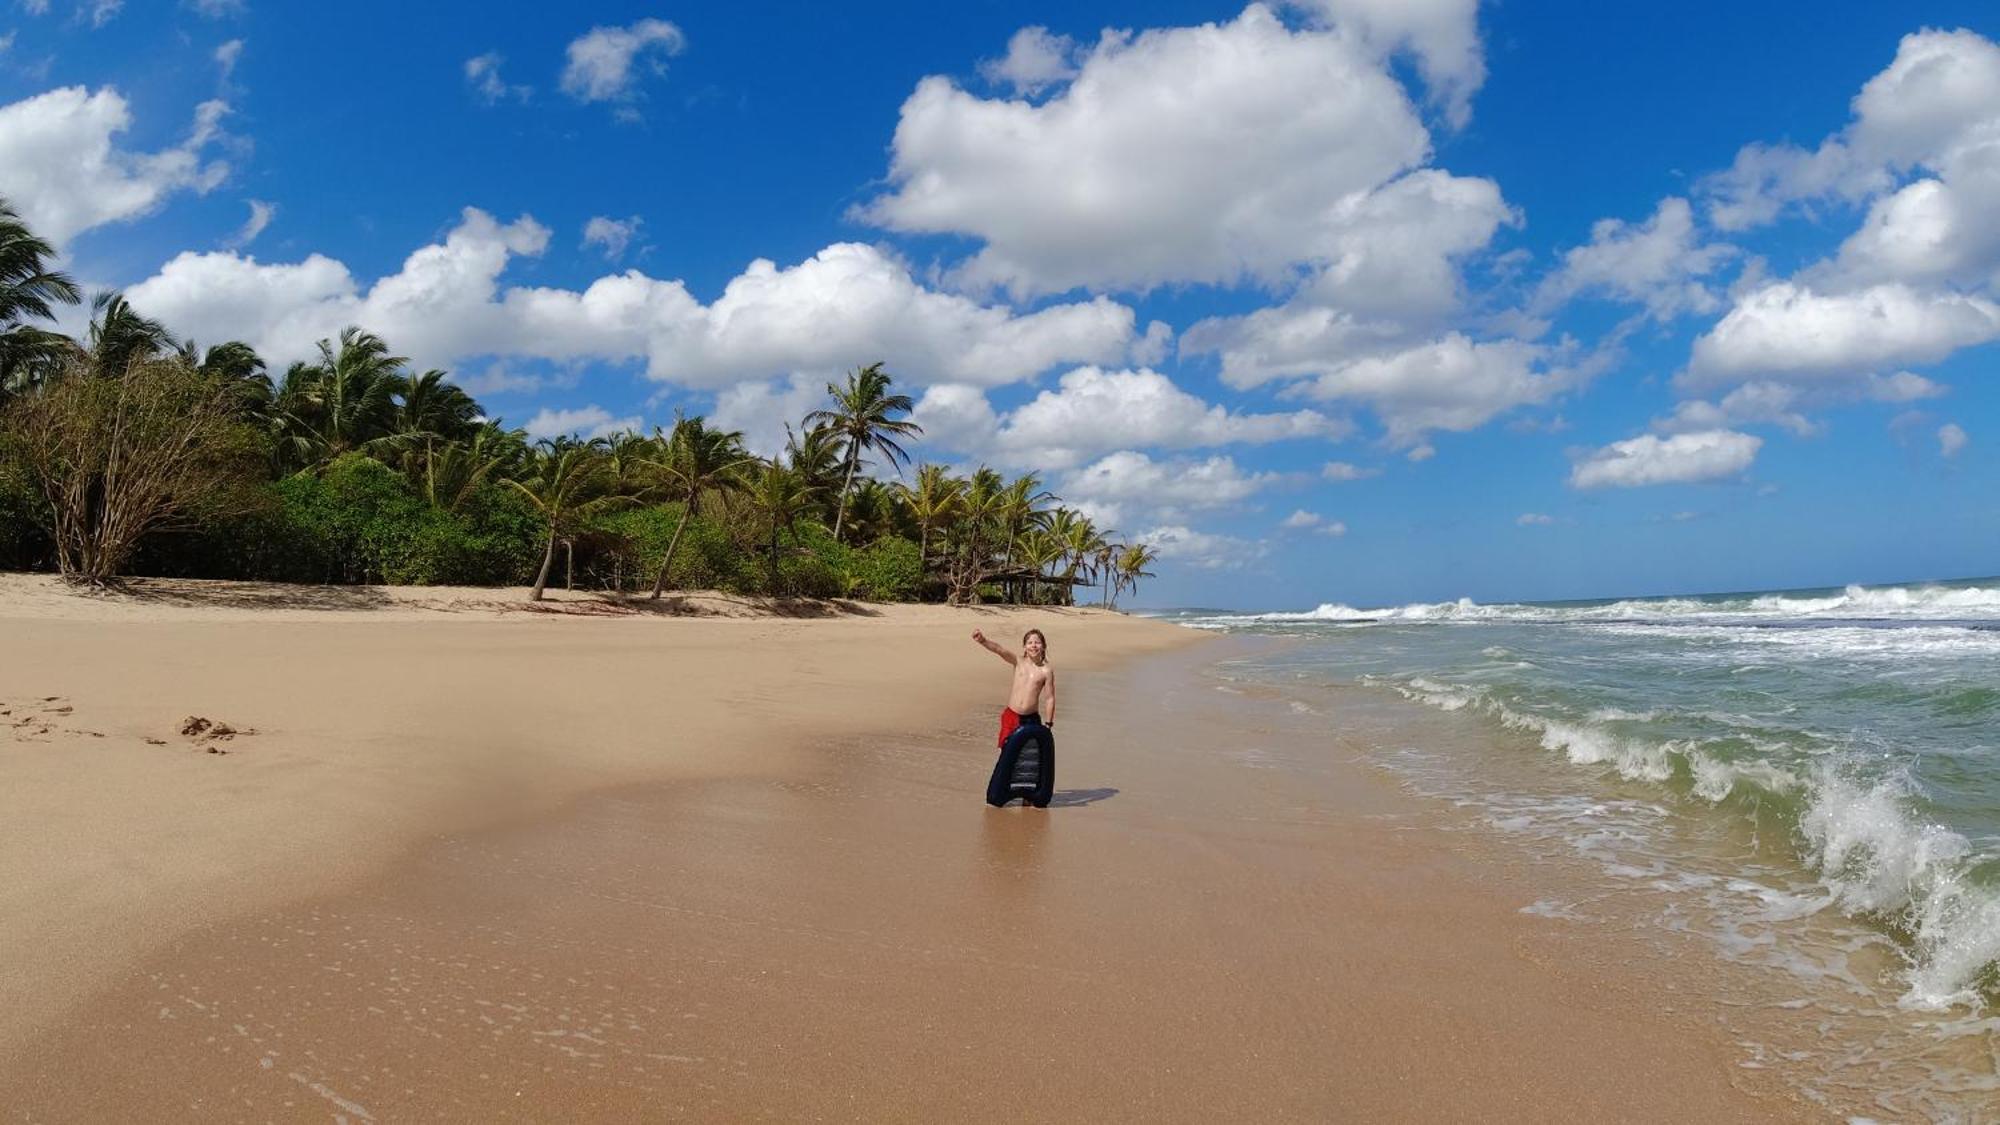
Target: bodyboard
{"points": [[1027, 768]]}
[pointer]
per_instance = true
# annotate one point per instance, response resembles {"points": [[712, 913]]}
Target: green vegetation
{"points": [[133, 452]]}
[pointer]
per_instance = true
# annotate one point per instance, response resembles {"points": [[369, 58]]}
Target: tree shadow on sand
{"points": [[1077, 798], [700, 605], [245, 595]]}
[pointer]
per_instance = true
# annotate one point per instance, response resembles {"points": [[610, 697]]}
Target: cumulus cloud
{"points": [[849, 304], [63, 173], [1129, 482], [1788, 331], [612, 235], [586, 421], [603, 60], [1951, 439], [1935, 103], [1093, 411], [1451, 384], [1212, 154], [482, 76], [1658, 264], [1680, 459], [760, 410], [1443, 35], [1035, 60], [1202, 550]]}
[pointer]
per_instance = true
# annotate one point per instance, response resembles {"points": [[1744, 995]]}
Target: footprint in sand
{"points": [[205, 733]]}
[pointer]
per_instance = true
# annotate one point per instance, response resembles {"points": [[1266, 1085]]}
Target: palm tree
{"points": [[450, 472], [1102, 560], [565, 481], [861, 417], [431, 403], [1080, 542], [932, 503], [343, 402], [120, 337], [695, 460], [1039, 550], [29, 290], [780, 496], [1132, 564], [1021, 509]]}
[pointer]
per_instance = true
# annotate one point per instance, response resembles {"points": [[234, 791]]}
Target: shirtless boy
{"points": [[1034, 682]]}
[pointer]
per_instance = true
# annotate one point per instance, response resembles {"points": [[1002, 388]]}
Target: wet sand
{"points": [[837, 929]]}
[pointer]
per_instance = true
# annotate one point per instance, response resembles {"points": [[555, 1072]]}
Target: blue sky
{"points": [[1369, 301]]}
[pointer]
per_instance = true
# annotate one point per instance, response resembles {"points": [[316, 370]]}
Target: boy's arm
{"points": [[1049, 692], [989, 646]]}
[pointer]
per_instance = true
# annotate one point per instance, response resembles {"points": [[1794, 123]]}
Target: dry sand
{"points": [[480, 864]]}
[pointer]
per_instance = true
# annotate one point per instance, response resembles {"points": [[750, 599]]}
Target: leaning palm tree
{"points": [[861, 417], [29, 290], [1132, 564], [1080, 541], [450, 472], [1103, 561], [693, 461], [565, 481]]}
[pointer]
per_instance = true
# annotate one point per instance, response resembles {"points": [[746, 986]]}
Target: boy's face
{"points": [[1034, 646]]}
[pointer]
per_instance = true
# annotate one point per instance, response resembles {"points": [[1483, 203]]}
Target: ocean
{"points": [[1809, 777]]}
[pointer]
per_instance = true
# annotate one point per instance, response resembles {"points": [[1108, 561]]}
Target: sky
{"points": [[1358, 301]]}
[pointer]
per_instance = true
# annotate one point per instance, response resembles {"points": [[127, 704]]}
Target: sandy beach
{"points": [[461, 861]]}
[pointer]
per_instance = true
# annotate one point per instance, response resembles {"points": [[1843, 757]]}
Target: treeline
{"points": [[130, 451]]}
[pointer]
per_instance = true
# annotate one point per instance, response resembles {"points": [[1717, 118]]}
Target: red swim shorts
{"points": [[1010, 721]]}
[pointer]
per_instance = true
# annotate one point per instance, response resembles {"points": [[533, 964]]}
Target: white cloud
{"points": [[1657, 264], [35, 7], [958, 417], [1938, 100], [1343, 471], [1204, 551], [614, 235], [227, 54], [1951, 439], [1302, 520], [1451, 384], [482, 74], [760, 410], [1680, 459], [588, 421], [1442, 34], [847, 305], [1093, 411], [601, 61], [216, 9], [1533, 519], [60, 170], [1211, 154], [99, 12], [1786, 331], [1035, 61], [1129, 481], [261, 214], [497, 379]]}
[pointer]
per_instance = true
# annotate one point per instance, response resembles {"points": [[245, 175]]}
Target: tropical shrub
{"points": [[888, 570]]}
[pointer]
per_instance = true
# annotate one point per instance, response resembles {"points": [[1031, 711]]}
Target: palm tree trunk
{"points": [[548, 560], [660, 583], [853, 462]]}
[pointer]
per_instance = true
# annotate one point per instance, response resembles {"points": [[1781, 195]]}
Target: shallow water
{"points": [[1810, 778]]}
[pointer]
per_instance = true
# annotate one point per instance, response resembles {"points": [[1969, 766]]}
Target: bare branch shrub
{"points": [[115, 458]]}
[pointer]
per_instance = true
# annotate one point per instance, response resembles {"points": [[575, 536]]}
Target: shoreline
{"points": [[1228, 937]]}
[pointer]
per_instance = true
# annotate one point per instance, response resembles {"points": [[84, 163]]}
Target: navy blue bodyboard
{"points": [[1026, 769]]}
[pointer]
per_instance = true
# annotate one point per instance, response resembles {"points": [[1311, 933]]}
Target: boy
{"points": [[1034, 681]]}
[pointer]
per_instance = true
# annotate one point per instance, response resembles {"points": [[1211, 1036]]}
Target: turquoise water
{"points": [[1859, 728]]}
